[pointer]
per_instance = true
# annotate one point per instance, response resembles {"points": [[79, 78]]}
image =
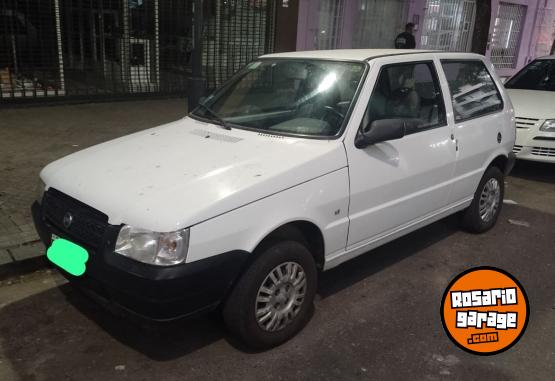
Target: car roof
{"points": [[355, 54], [344, 54]]}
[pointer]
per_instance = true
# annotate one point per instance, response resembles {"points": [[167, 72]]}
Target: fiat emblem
{"points": [[68, 219]]}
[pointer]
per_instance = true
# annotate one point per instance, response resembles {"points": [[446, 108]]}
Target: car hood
{"points": [[533, 104], [179, 174]]}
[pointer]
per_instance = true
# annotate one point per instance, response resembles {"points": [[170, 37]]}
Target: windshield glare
{"points": [[302, 97], [539, 75]]}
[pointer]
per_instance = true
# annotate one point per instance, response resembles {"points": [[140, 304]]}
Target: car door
{"points": [[397, 184], [478, 118]]}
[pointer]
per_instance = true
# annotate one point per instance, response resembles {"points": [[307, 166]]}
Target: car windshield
{"points": [[292, 96], [538, 75]]}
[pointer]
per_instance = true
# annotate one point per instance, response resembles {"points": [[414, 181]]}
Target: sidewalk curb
{"points": [[23, 267]]}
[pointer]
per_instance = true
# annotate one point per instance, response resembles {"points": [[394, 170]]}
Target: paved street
{"points": [[375, 317]]}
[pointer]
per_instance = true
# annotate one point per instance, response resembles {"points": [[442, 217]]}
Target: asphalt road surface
{"points": [[376, 317]]}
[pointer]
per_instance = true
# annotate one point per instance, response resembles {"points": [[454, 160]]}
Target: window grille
{"points": [[505, 39], [331, 20], [379, 22], [448, 25], [114, 48]]}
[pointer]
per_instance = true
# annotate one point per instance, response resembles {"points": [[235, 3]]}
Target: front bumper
{"points": [[535, 153], [533, 144], [152, 292]]}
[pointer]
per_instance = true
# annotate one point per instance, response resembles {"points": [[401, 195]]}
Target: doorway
{"points": [[506, 34], [287, 14], [448, 25]]}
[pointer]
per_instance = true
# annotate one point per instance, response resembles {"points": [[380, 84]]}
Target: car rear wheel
{"points": [[274, 298], [484, 210]]}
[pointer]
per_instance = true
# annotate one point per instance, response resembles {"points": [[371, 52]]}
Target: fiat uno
{"points": [[300, 162]]}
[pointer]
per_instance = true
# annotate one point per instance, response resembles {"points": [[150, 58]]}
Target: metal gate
{"points": [[31, 62], [379, 22], [331, 19], [114, 48], [237, 31], [110, 47], [448, 25], [505, 39]]}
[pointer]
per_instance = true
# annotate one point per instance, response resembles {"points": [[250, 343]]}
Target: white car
{"points": [[532, 91], [300, 162]]}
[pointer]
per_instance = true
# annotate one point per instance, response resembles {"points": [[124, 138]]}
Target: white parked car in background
{"points": [[532, 91], [300, 162]]}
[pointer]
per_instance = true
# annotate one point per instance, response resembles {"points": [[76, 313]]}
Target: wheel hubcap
{"points": [[280, 297], [489, 200]]}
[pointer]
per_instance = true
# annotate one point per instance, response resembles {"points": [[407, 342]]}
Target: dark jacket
{"points": [[405, 40]]}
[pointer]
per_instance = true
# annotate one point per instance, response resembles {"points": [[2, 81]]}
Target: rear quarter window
{"points": [[473, 91]]}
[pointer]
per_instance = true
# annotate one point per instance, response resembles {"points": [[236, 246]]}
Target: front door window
{"points": [[407, 91]]}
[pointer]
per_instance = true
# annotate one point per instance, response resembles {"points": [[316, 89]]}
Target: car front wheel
{"points": [[273, 300]]}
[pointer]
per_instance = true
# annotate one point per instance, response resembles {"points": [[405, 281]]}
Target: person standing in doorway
{"points": [[406, 39]]}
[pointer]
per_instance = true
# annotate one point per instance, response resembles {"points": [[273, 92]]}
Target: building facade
{"points": [[345, 24], [519, 30], [67, 49], [112, 48]]}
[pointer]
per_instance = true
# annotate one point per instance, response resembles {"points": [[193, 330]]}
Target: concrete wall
{"points": [[544, 31]]}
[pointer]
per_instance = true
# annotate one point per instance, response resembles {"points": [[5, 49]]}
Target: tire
{"points": [[489, 194], [292, 310]]}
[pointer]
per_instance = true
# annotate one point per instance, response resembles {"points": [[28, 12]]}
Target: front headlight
{"points": [[40, 190], [162, 249], [548, 125]]}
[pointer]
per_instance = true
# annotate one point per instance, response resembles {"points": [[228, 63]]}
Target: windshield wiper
{"points": [[215, 116]]}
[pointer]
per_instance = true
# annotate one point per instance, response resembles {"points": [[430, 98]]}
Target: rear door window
{"points": [[473, 91]]}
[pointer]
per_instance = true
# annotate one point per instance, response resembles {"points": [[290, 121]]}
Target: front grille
{"points": [[543, 151], [525, 123], [88, 225], [517, 148]]}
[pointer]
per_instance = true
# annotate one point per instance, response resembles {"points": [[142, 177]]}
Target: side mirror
{"points": [[383, 130]]}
